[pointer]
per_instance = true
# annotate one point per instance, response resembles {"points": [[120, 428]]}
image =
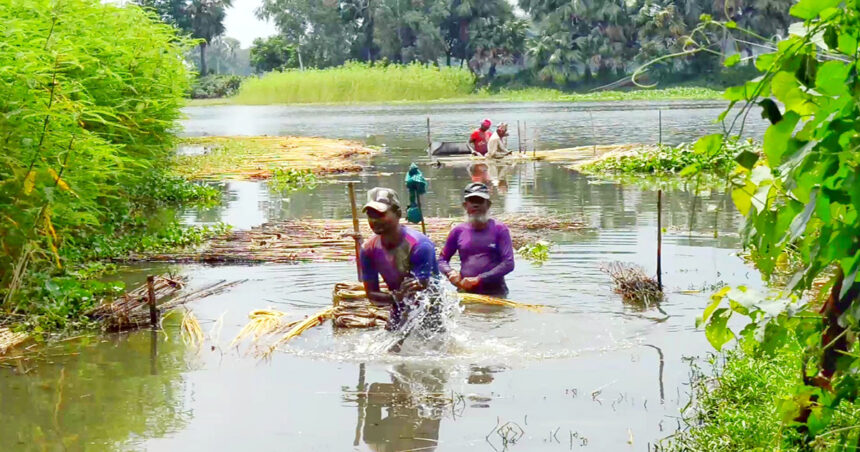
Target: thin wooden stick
{"points": [[659, 238], [429, 142], [351, 186], [519, 137], [423, 227], [150, 291]]}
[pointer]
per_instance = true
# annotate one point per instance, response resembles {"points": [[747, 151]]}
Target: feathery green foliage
{"points": [[89, 95]]}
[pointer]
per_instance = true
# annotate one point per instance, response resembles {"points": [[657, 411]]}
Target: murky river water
{"points": [[592, 374]]}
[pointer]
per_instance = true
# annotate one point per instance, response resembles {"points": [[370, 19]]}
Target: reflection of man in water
{"points": [[406, 413]]}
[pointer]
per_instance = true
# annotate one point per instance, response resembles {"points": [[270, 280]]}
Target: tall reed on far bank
{"points": [[357, 82]]}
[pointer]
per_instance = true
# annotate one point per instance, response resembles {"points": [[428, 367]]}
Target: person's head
{"points": [[476, 202], [485, 124], [502, 129], [383, 210]]}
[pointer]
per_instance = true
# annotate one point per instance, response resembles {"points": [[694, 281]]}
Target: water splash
{"points": [[428, 329]]}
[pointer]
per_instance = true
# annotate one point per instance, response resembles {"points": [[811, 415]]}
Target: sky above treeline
{"points": [[242, 24]]}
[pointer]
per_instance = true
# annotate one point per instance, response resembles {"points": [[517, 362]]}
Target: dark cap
{"points": [[381, 199], [476, 189]]}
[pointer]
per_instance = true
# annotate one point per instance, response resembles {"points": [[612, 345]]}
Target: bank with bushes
{"points": [[90, 94]]}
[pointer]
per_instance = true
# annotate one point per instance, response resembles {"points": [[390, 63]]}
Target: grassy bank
{"points": [[740, 405], [91, 93], [357, 82], [505, 95]]}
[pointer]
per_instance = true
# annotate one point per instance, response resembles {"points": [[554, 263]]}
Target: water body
{"points": [[590, 374]]}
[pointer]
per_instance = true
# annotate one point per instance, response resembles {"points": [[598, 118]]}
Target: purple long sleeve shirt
{"points": [[486, 253]]}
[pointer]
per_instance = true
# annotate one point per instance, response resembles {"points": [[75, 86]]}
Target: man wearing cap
{"points": [[479, 137], [405, 258], [484, 244]]}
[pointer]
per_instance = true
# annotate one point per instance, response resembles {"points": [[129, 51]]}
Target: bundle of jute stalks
{"points": [[352, 309], [326, 240]]}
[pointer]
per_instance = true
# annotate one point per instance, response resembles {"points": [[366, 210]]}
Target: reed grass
{"points": [[362, 83], [357, 82]]}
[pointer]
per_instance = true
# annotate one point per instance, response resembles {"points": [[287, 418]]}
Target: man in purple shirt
{"points": [[486, 253], [405, 258]]}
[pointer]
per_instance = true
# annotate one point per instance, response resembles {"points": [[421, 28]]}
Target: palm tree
{"points": [[207, 23]]}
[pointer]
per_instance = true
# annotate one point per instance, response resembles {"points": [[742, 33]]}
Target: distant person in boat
{"points": [[496, 144], [479, 137], [484, 244], [404, 257]]}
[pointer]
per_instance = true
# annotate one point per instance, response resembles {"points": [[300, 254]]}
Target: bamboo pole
{"points": [[534, 150], [660, 126], [150, 295], [659, 238], [593, 134], [525, 136], [423, 227], [351, 186], [519, 137], [429, 142]]}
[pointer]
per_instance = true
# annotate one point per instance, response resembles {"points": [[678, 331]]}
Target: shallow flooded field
{"points": [[587, 374]]}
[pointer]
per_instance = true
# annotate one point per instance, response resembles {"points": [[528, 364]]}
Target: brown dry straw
{"points": [[131, 310], [248, 158], [323, 240], [10, 339], [632, 283]]}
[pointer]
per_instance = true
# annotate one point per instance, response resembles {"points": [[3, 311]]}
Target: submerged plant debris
{"points": [[254, 158], [633, 284]]}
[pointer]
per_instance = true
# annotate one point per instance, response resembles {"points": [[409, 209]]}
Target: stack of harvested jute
{"points": [[352, 309]]}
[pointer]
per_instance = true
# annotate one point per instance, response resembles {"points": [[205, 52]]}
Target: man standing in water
{"points": [[479, 137], [405, 258], [486, 252]]}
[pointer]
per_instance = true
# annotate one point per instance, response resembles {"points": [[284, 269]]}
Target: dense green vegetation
{"points": [[800, 199], [684, 158], [89, 97], [215, 86], [565, 44], [738, 404], [357, 82]]}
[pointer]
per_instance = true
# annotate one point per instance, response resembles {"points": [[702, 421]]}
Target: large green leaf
{"points": [[809, 9], [831, 78], [717, 330], [776, 138], [798, 226], [709, 144]]}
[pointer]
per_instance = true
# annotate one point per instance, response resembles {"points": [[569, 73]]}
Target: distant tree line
{"points": [[558, 42]]}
